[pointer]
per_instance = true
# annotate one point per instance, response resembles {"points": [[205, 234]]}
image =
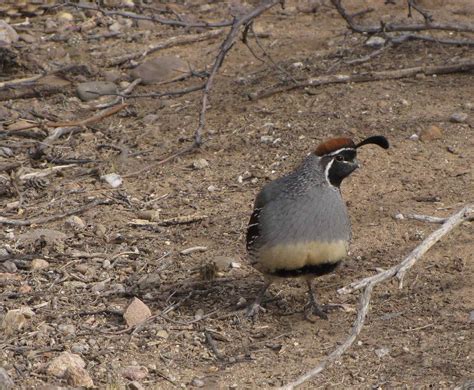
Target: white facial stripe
{"points": [[339, 151], [326, 171]]}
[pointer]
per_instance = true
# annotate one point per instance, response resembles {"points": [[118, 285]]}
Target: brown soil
{"points": [[424, 327]]}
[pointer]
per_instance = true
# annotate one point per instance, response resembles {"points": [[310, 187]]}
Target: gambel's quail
{"points": [[300, 226]]}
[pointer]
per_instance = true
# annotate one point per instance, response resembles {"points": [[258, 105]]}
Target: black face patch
{"points": [[339, 165]]}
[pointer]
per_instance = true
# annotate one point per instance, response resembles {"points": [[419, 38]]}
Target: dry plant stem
{"points": [[154, 18], [425, 218], [339, 351], [41, 220], [46, 172], [82, 122], [442, 41], [464, 66], [369, 283], [394, 27], [119, 98], [225, 47], [399, 270], [167, 43]]}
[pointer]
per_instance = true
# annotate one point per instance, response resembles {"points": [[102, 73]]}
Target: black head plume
{"points": [[379, 140]]}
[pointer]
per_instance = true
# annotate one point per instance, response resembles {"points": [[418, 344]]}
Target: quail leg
{"points": [[313, 307], [254, 308]]}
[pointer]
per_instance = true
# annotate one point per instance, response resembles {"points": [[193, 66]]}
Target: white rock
{"points": [[200, 163], [266, 139], [375, 42], [112, 179], [381, 352], [399, 216], [414, 137]]}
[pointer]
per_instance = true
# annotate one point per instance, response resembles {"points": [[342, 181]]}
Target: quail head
{"points": [[300, 226]]}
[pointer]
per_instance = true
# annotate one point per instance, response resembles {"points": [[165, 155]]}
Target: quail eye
{"points": [[339, 157]]}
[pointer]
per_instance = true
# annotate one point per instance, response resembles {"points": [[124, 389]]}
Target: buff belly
{"points": [[302, 258]]}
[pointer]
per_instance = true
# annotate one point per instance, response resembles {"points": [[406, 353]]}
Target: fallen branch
{"points": [[369, 283], [42, 220], [184, 219], [397, 27], [153, 18], [464, 66], [45, 172], [167, 43], [466, 214], [225, 47], [80, 122], [117, 99]]}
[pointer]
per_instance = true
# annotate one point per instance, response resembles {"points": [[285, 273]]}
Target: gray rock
{"points": [[375, 42], [8, 35], [135, 373], [80, 348], [458, 117], [200, 163], [161, 69], [196, 382], [5, 380], [94, 89]]}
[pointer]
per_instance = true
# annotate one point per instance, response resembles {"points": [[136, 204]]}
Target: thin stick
{"points": [[42, 220], [165, 44], [154, 18], [463, 215], [369, 283], [464, 66], [225, 47], [393, 27]]}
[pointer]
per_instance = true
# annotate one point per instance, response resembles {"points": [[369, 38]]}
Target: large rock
{"points": [[161, 70], [6, 382], [8, 34], [95, 89], [64, 362], [136, 312]]}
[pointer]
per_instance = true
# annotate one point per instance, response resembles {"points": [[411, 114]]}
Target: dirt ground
{"points": [[416, 337]]}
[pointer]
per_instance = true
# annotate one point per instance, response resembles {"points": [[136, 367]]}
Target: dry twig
{"points": [[369, 283], [42, 220], [396, 27], [153, 18], [464, 66], [167, 43]]}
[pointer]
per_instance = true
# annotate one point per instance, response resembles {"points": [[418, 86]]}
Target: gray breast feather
{"points": [[319, 214]]}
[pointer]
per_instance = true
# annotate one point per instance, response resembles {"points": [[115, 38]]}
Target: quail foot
{"points": [[300, 225]]}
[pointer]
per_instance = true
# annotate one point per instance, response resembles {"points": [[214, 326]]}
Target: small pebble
{"points": [[200, 163], [381, 352], [431, 133], [399, 216], [266, 139], [458, 117], [196, 382], [375, 42], [414, 137]]}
